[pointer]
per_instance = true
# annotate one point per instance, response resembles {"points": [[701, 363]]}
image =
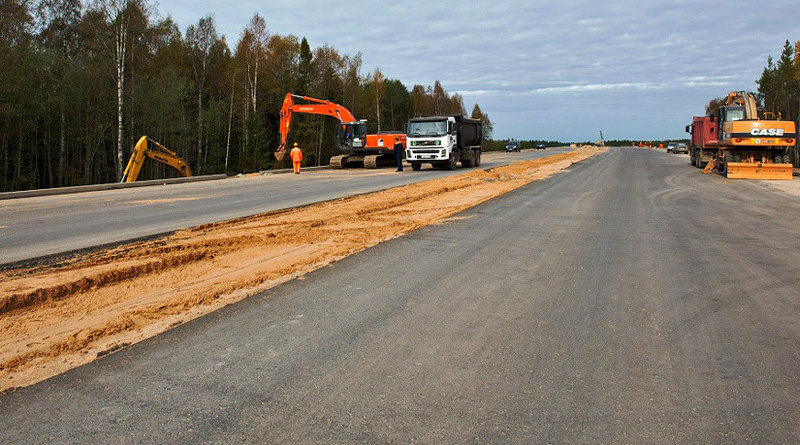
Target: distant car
{"points": [[671, 147], [681, 148], [540, 146], [513, 146]]}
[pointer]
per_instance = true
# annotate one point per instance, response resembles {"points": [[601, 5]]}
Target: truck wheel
{"points": [[416, 166], [722, 166], [477, 158], [451, 163], [691, 156], [467, 163]]}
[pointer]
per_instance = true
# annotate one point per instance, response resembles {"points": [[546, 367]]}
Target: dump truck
{"points": [[444, 141], [739, 143], [354, 143]]}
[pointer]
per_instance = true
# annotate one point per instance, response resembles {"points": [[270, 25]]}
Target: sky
{"points": [[542, 70]]}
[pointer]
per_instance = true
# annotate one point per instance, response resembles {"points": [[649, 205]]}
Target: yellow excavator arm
{"points": [[148, 148]]}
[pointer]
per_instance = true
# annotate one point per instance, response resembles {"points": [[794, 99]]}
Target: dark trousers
{"points": [[399, 157]]}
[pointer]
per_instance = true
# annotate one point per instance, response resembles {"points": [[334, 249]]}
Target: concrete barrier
{"points": [[109, 186]]}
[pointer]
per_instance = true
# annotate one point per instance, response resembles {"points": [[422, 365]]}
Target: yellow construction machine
{"points": [[739, 143], [148, 148]]}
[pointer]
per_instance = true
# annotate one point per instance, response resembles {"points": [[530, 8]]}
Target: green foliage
{"points": [[779, 86], [488, 128]]}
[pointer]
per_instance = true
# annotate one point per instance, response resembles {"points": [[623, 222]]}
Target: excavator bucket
{"points": [[757, 170], [280, 152]]}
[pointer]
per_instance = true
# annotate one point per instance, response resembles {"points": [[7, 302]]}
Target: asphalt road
{"points": [[628, 300], [31, 228]]}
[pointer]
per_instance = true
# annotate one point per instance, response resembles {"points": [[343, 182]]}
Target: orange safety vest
{"points": [[296, 154]]}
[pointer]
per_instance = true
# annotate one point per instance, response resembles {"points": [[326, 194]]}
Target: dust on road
{"points": [[59, 316]]}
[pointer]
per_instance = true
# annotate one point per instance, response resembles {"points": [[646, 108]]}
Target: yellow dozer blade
{"points": [[757, 170]]}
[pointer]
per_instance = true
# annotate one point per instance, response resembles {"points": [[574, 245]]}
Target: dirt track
{"points": [[60, 316]]}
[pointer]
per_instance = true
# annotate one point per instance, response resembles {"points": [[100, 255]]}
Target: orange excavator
{"points": [[148, 148], [351, 135]]}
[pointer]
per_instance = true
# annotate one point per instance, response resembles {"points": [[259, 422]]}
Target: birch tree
{"points": [[377, 88], [119, 14], [201, 38], [257, 28]]}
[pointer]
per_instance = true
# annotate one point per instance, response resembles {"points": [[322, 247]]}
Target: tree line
{"points": [[779, 84], [82, 82]]}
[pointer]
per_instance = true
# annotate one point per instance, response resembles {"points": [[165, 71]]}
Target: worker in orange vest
{"points": [[297, 157]]}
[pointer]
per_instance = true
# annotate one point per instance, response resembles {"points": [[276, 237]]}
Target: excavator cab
{"points": [[729, 114], [351, 135]]}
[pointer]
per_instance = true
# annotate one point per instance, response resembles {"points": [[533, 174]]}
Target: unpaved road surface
{"points": [[628, 300], [51, 225]]}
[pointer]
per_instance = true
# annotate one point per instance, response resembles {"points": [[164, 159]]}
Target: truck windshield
{"points": [[430, 128]]}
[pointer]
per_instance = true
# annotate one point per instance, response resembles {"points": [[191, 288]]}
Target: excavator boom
{"points": [[317, 106], [148, 148]]}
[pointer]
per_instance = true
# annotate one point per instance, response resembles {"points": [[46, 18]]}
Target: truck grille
{"points": [[423, 151]]}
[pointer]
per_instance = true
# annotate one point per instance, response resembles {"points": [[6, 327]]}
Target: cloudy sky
{"points": [[554, 70]]}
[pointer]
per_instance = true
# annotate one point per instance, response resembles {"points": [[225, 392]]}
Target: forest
{"points": [[81, 82], [779, 84]]}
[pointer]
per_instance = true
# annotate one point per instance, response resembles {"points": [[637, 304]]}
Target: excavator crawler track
{"points": [[337, 161], [371, 161]]}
